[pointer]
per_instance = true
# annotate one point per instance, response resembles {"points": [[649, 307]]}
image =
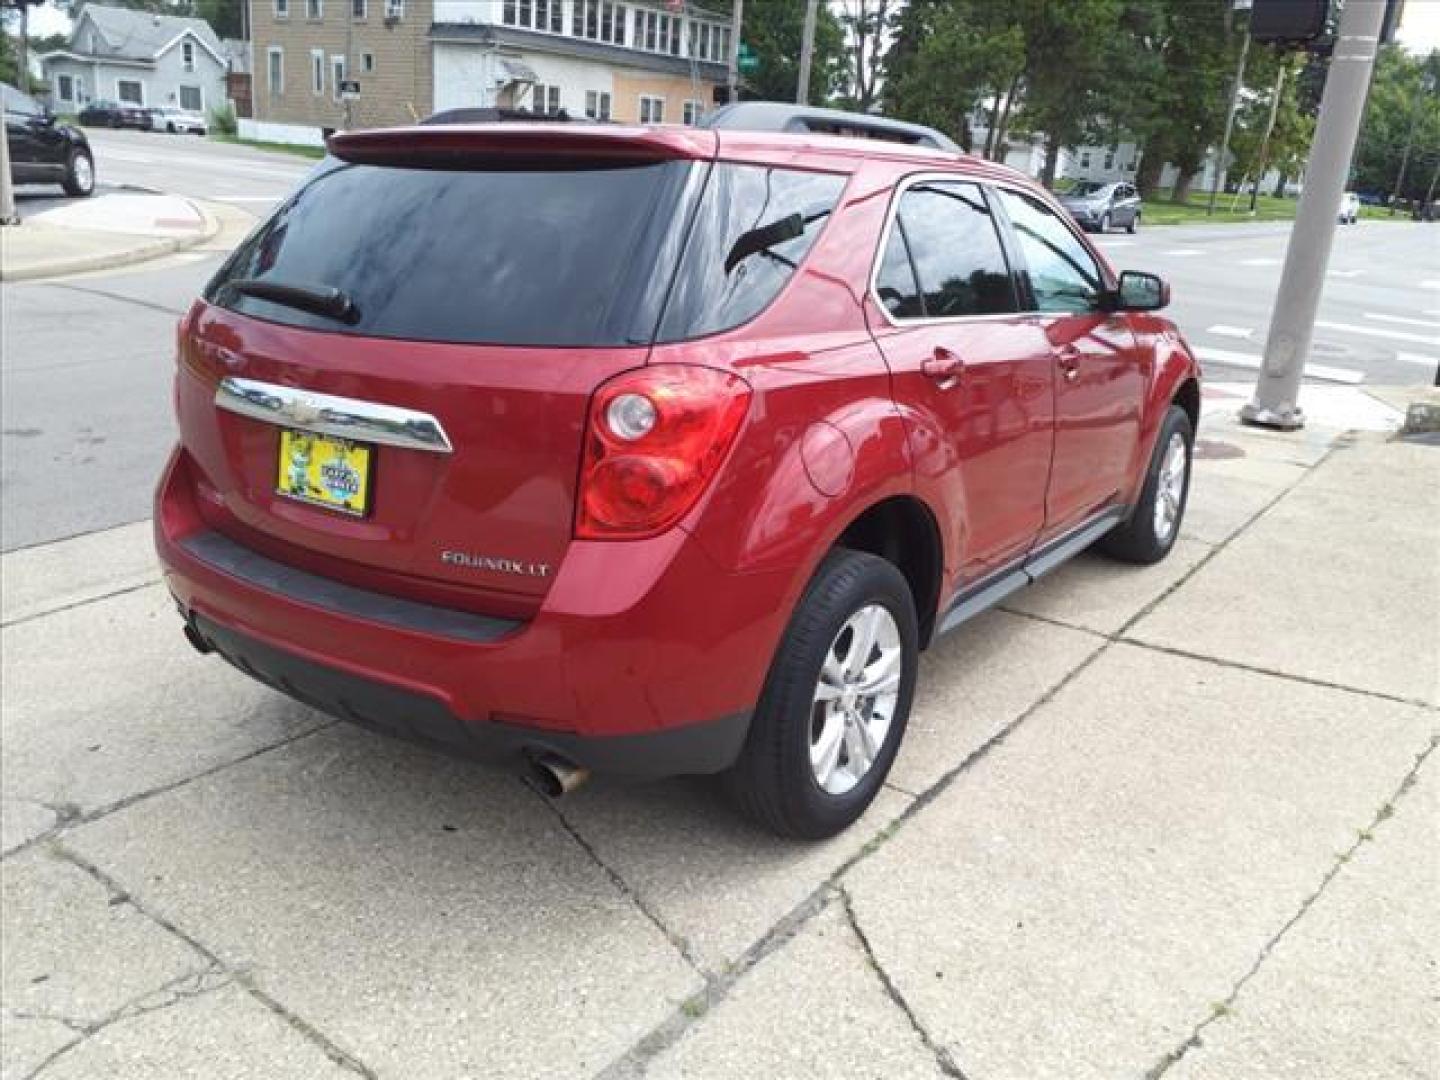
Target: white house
{"points": [[138, 58]]}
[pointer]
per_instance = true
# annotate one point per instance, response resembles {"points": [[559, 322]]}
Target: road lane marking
{"points": [[1376, 331], [1111, 245], [1430, 284], [246, 198], [1432, 362], [1221, 330], [1260, 262], [1254, 363], [1181, 253], [1403, 321], [1346, 273]]}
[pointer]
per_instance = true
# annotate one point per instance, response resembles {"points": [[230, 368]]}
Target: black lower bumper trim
{"points": [[708, 747]]}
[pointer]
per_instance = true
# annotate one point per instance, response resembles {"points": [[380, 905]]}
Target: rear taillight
{"points": [[656, 436]]}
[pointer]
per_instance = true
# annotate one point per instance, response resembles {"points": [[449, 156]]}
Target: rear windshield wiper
{"points": [[319, 299], [760, 241]]}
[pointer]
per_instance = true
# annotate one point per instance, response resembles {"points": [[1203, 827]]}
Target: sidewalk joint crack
{"points": [[1226, 1006], [943, 1060]]}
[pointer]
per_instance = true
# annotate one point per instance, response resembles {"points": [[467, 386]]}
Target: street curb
{"points": [[153, 249]]}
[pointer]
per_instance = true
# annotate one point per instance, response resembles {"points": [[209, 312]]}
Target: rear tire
{"points": [[776, 781], [79, 174], [1134, 224], [1105, 222], [1154, 523]]}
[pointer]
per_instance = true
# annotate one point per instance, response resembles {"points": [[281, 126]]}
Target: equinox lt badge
{"points": [[489, 562]]}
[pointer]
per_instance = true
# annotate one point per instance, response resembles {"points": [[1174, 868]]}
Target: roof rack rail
{"points": [[779, 116]]}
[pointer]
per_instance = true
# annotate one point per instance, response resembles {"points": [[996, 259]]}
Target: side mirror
{"points": [[1140, 291]]}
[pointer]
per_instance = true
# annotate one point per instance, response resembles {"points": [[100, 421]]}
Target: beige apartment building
{"points": [[630, 61]]}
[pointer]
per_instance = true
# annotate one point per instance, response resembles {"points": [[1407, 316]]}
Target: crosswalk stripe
{"points": [[1253, 363], [1430, 323], [1260, 262], [1181, 253], [1376, 331], [1432, 362], [1221, 330], [1346, 273]]}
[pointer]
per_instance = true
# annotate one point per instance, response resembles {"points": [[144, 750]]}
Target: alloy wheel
{"points": [[1170, 487], [855, 699]]}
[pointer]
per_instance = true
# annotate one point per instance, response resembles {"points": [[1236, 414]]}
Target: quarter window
{"points": [[1064, 277], [895, 282], [956, 252]]}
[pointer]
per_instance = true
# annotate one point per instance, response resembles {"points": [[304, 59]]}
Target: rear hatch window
{"points": [[501, 256]]}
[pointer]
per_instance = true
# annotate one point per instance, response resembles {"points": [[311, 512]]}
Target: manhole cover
{"points": [[1215, 450]]}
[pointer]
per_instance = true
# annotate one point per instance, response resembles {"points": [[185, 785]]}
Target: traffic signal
{"points": [[1293, 22]]}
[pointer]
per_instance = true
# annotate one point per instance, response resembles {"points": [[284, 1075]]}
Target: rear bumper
{"points": [[694, 748], [645, 657]]}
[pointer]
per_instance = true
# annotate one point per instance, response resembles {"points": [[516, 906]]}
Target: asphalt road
{"points": [[86, 361]]}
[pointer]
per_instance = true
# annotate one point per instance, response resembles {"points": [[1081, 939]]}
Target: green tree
{"points": [[1403, 111], [774, 30], [226, 17]]}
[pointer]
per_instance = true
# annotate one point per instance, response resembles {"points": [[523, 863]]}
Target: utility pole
{"points": [[1292, 326], [807, 50], [1219, 181], [736, 18], [1265, 142], [7, 192]]}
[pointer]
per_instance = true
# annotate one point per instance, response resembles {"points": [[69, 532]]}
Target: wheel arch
{"points": [[902, 530]]}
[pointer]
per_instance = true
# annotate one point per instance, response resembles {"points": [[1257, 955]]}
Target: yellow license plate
{"points": [[326, 471]]}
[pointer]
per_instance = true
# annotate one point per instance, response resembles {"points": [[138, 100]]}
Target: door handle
{"points": [[1068, 358], [943, 366]]}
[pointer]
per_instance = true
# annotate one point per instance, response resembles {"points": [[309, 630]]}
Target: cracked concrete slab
{"points": [[716, 881], [1359, 609], [223, 1035], [1075, 901], [816, 1007], [1351, 989], [974, 682], [26, 1044], [431, 918], [21, 821], [1098, 593], [1219, 506], [106, 701], [70, 952], [52, 576]]}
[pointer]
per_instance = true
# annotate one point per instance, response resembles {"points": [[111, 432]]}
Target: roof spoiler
{"points": [[778, 116], [448, 145]]}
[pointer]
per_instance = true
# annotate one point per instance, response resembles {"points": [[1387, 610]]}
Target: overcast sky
{"points": [[1419, 29]]}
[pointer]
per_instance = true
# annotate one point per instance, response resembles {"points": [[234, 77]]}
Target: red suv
{"points": [[657, 450]]}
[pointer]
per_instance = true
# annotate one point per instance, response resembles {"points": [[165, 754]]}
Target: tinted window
{"points": [[519, 256], [752, 228], [956, 250], [1063, 275], [895, 283]]}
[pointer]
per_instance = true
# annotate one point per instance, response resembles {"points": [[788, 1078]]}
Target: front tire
{"points": [[1104, 223], [835, 703], [1154, 523], [1134, 224], [79, 174]]}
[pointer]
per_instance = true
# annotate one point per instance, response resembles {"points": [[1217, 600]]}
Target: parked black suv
{"points": [[115, 115], [42, 150], [1098, 206]]}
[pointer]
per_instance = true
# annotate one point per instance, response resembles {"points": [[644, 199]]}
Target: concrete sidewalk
{"points": [[101, 232], [1177, 821]]}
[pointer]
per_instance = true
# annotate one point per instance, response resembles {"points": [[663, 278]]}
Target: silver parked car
{"points": [[177, 120], [1098, 206]]}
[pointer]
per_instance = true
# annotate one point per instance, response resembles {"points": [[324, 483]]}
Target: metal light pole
{"points": [[807, 50], [1293, 325], [1220, 170], [736, 17]]}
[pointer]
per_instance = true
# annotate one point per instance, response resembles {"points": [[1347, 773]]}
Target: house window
{"points": [[282, 9], [315, 9], [652, 109], [598, 20], [192, 99], [359, 9], [275, 70], [1085, 160], [394, 9], [597, 104], [367, 63], [187, 55], [130, 91], [674, 37], [337, 75], [545, 99], [692, 110], [317, 71], [1109, 160], [65, 87], [534, 14]]}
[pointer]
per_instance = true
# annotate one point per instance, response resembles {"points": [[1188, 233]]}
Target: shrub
{"points": [[222, 120]]}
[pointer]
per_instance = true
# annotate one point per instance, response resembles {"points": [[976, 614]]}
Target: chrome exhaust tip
{"points": [[555, 776]]}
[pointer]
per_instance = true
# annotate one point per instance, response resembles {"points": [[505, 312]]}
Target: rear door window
{"points": [[955, 249], [519, 255], [753, 227]]}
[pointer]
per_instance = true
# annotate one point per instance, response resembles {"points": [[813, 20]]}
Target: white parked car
{"points": [[1349, 208], [177, 120]]}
